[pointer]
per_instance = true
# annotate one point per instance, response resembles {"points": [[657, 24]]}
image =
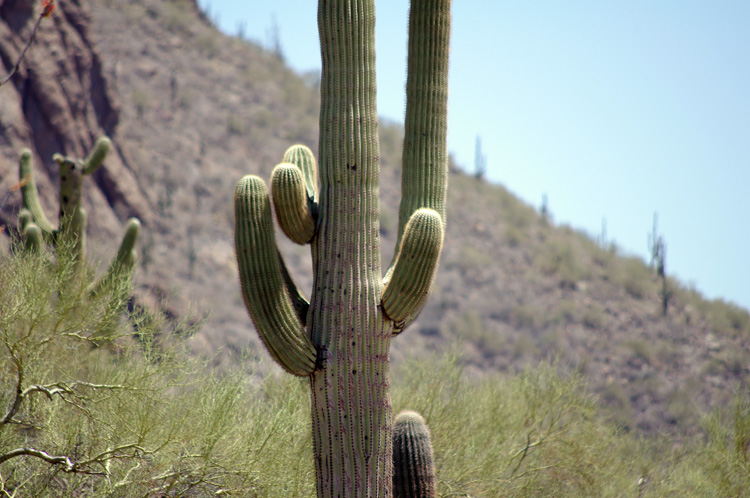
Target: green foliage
{"points": [[634, 276], [86, 410], [558, 256], [141, 418]]}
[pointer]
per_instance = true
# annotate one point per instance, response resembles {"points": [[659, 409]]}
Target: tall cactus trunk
{"points": [[351, 409], [341, 338]]}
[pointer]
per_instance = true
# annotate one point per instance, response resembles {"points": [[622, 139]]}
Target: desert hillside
{"points": [[191, 110]]}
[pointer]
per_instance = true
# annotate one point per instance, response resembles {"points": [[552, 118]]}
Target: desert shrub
{"points": [[634, 276], [594, 317], [96, 403], [558, 256]]}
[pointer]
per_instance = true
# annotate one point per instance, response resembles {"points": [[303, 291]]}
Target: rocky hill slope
{"points": [[191, 110]]}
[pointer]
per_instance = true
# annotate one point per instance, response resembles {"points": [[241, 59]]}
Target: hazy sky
{"points": [[614, 110]]}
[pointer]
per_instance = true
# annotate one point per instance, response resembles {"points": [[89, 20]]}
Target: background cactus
{"points": [[341, 337], [35, 226], [413, 467]]}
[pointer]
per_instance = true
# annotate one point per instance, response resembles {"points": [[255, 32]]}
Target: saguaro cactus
{"points": [[341, 338], [33, 223], [413, 467]]}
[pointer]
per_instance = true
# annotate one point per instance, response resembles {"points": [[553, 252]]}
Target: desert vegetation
{"points": [[91, 408], [545, 363]]}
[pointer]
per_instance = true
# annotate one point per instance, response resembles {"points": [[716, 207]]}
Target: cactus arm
{"points": [[263, 288], [409, 282], [96, 156], [124, 260], [24, 218], [300, 303], [29, 194], [78, 226], [424, 177], [302, 157], [291, 203], [413, 463], [32, 238]]}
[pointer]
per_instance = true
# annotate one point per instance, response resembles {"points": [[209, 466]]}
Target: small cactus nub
{"points": [[413, 467]]}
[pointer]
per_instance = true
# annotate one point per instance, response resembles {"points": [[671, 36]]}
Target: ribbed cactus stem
{"points": [[425, 126], [345, 344], [291, 203], [96, 156], [263, 288], [415, 266], [29, 195], [302, 157], [413, 467]]}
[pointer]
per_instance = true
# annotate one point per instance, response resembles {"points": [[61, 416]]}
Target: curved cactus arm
{"points": [[291, 203], [32, 238], [413, 463], [29, 194], [96, 156], [263, 288], [408, 284], [124, 260], [424, 177], [302, 157]]}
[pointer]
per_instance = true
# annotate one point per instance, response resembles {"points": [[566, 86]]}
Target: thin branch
{"points": [[19, 392], [68, 464], [47, 8]]}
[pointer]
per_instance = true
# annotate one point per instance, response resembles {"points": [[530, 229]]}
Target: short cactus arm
{"points": [[96, 156], [302, 157], [124, 260], [263, 285], [32, 238], [29, 194], [24, 218], [409, 282], [290, 202], [424, 179]]}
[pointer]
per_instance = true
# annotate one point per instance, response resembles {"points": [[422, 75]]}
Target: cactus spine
{"points": [[341, 337], [413, 467]]}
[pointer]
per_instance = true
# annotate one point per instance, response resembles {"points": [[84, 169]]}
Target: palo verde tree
{"points": [[340, 339]]}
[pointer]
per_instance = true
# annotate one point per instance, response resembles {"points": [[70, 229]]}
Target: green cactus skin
{"points": [[263, 284], [124, 260], [71, 172], [96, 156], [29, 195], [302, 157], [32, 238], [342, 343], [413, 467], [290, 202], [24, 218], [414, 268], [78, 228]]}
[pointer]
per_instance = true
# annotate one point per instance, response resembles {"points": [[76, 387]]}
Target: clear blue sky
{"points": [[614, 110]]}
